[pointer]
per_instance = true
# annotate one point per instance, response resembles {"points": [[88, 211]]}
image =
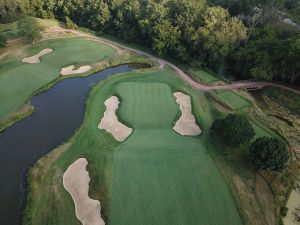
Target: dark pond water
{"points": [[58, 113]]}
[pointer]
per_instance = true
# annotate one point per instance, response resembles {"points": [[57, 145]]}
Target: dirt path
{"points": [[182, 74]]}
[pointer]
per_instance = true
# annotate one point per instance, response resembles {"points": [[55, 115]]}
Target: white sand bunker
{"points": [[186, 125], [110, 121], [36, 58], [76, 181], [293, 215], [71, 70]]}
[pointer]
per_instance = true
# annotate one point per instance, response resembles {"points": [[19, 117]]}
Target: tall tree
{"points": [[291, 60], [268, 153], [219, 34], [234, 130]]}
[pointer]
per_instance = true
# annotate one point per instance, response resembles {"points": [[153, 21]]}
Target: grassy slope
{"points": [[18, 81], [232, 100], [99, 147], [160, 177], [202, 76]]}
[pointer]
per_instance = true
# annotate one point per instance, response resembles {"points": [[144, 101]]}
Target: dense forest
{"points": [[243, 35]]}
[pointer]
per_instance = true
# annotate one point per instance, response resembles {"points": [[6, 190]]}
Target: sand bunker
{"points": [[36, 58], [110, 121], [76, 181], [293, 215], [70, 70], [186, 125]]}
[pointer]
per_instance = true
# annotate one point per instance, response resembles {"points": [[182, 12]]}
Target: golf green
{"points": [[18, 81], [158, 176]]}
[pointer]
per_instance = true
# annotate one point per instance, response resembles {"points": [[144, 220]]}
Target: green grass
{"points": [[18, 81], [160, 177], [233, 100], [156, 176], [202, 76]]}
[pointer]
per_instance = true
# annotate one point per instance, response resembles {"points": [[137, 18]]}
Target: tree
{"points": [[165, 37], [99, 14], [2, 41], [291, 60], [30, 28], [268, 153], [11, 10], [233, 131], [219, 34]]}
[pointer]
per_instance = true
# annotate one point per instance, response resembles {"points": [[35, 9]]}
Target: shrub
{"points": [[70, 24], [30, 28], [233, 131], [268, 153], [2, 41]]}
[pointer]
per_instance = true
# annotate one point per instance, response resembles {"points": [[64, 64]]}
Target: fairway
{"points": [[233, 100], [160, 177], [18, 81]]}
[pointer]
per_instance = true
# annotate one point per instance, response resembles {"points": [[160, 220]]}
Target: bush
{"points": [[70, 24], [268, 153], [30, 28], [283, 211], [233, 131], [2, 41]]}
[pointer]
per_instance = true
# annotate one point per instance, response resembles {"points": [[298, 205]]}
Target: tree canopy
{"points": [[268, 153], [30, 28], [233, 131]]}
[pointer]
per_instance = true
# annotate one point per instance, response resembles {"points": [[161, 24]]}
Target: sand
{"points": [[76, 181], [110, 121], [70, 70], [293, 205], [186, 125], [36, 58]]}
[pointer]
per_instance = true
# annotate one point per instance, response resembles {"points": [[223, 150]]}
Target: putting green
{"points": [[160, 177], [18, 81]]}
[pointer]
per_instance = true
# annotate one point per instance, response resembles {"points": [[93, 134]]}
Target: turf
{"points": [[202, 76], [233, 100], [160, 177], [156, 167], [18, 81]]}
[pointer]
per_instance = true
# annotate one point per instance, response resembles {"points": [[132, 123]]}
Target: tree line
{"points": [[238, 33]]}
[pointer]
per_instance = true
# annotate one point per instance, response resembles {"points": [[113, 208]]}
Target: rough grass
{"points": [[18, 81], [232, 100]]}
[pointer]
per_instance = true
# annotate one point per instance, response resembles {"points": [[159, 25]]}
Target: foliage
{"points": [[233, 131], [70, 24], [269, 55], [2, 41], [11, 10], [268, 153], [180, 28], [30, 28]]}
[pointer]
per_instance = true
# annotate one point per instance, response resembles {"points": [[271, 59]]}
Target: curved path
{"points": [[182, 74]]}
